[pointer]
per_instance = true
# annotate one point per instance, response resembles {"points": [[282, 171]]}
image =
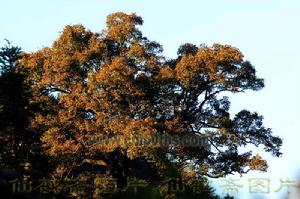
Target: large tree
{"points": [[118, 83]]}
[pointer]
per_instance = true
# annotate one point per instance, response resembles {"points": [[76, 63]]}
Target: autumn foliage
{"points": [[118, 83]]}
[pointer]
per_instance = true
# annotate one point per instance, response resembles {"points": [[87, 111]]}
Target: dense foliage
{"points": [[117, 83]]}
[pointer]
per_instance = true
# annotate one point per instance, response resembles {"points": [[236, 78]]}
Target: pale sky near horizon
{"points": [[266, 31]]}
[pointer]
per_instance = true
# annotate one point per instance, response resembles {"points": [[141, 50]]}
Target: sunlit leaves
{"points": [[118, 84]]}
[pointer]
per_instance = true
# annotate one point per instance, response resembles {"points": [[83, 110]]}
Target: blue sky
{"points": [[266, 31]]}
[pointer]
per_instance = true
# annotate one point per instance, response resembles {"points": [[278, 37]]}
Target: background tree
{"points": [[12, 101], [21, 155], [117, 83]]}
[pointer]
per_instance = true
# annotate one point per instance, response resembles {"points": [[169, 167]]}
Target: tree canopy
{"points": [[118, 83]]}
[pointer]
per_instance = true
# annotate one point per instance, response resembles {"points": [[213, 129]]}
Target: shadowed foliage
{"points": [[21, 154]]}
